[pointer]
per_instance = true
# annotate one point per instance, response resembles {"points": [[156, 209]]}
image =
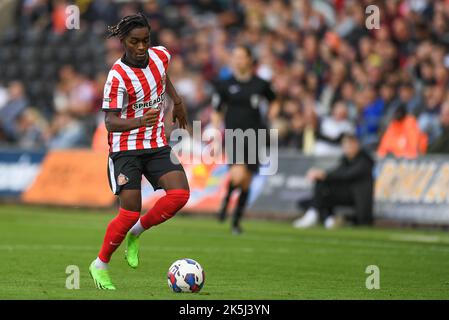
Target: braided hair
{"points": [[127, 24]]}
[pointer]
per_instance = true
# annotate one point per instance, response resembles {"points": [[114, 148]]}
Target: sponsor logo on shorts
{"points": [[149, 104], [122, 179]]}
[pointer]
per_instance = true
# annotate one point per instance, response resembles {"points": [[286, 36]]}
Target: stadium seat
{"points": [[31, 71], [5, 56], [53, 39], [12, 72], [29, 54], [10, 36], [82, 53], [32, 37], [49, 72], [64, 54], [47, 54], [77, 38]]}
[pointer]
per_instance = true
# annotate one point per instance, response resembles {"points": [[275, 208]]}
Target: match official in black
{"points": [[237, 102], [350, 184]]}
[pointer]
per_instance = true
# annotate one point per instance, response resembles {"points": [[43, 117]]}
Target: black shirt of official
{"points": [[240, 101]]}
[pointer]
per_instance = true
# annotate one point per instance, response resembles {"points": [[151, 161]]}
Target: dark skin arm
{"points": [[116, 124], [179, 110]]}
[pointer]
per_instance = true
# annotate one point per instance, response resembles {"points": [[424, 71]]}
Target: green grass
{"points": [[270, 260]]}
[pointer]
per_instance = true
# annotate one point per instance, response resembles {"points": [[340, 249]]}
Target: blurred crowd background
{"points": [[331, 74]]}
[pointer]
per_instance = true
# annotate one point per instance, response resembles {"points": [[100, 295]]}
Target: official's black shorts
{"points": [[125, 168], [248, 154]]}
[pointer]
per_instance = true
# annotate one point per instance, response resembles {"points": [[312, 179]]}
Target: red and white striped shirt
{"points": [[132, 92]]}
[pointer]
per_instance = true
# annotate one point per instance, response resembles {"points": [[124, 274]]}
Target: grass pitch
{"points": [[271, 260]]}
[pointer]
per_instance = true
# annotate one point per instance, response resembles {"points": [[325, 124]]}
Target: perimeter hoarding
{"points": [[415, 191], [18, 169], [72, 178]]}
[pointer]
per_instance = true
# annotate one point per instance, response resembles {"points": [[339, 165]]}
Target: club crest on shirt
{"points": [[122, 179], [234, 89], [107, 88], [255, 100]]}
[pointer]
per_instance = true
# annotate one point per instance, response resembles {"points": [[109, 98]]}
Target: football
{"points": [[185, 275]]}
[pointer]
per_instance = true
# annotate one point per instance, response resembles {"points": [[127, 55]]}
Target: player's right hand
{"points": [[150, 117]]}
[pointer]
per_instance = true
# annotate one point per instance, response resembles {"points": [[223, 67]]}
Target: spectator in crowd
{"points": [[73, 100], [331, 91], [310, 126], [34, 14], [349, 184], [371, 108], [65, 132], [403, 137], [331, 130], [429, 117], [3, 96], [441, 143], [32, 129], [388, 93], [411, 98], [74, 93], [310, 50], [347, 96], [101, 11], [16, 103]]}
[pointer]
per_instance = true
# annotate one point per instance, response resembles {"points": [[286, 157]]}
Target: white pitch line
{"points": [[150, 247], [418, 238]]}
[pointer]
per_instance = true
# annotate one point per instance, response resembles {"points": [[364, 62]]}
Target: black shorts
{"points": [[125, 168], [247, 154]]}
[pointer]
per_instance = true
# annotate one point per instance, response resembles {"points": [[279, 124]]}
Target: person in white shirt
{"points": [[331, 131]]}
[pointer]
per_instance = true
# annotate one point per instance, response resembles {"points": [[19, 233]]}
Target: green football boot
{"points": [[101, 277], [132, 250]]}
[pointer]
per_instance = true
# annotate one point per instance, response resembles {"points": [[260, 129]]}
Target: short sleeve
{"points": [[113, 94], [218, 97], [268, 92], [165, 51]]}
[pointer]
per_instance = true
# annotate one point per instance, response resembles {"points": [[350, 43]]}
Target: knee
{"points": [[131, 205], [178, 198], [236, 181]]}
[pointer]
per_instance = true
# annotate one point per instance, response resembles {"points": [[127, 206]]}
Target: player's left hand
{"points": [[179, 113]]}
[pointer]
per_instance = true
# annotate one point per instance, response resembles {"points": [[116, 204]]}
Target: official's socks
{"points": [[238, 213], [225, 203]]}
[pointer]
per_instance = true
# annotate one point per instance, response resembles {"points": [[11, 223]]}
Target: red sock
{"points": [[165, 208], [116, 232]]}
